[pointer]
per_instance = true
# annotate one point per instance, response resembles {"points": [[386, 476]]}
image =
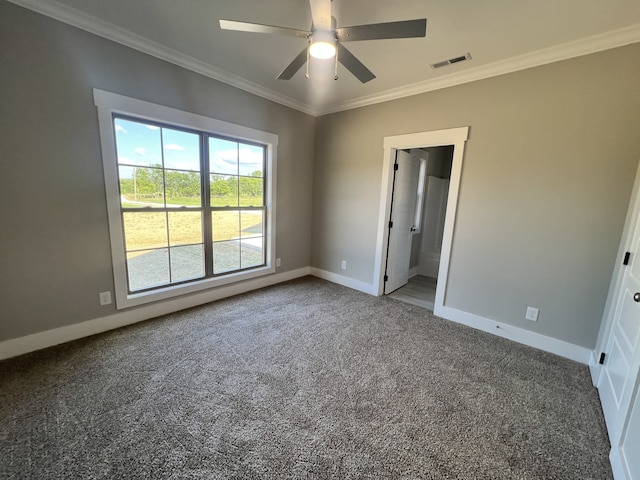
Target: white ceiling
{"points": [[500, 35]]}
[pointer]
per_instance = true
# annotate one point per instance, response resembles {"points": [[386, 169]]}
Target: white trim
{"points": [[109, 104], [344, 281], [596, 43], [452, 136], [520, 335], [594, 368], [91, 24], [566, 51], [49, 338]]}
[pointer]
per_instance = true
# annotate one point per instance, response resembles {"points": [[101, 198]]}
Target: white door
{"points": [[403, 209], [622, 361], [630, 444]]}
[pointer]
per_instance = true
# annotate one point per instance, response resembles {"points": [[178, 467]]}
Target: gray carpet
{"points": [[302, 380]]}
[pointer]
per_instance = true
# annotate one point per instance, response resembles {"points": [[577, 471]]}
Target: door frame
{"points": [[437, 138]]}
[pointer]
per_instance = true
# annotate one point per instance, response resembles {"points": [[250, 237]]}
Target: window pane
{"points": [[138, 143], [144, 230], [223, 156], [251, 160], [181, 150], [187, 262], [251, 223], [225, 225], [185, 228], [129, 196], [252, 253], [226, 256], [250, 192], [183, 188], [148, 269], [224, 190], [141, 187]]}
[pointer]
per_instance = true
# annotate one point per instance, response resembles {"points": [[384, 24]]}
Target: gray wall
{"points": [[440, 159], [53, 222], [546, 180], [545, 184]]}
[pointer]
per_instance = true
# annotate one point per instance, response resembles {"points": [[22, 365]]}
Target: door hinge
{"points": [[601, 361], [627, 256], [395, 166], [386, 278], [390, 224]]}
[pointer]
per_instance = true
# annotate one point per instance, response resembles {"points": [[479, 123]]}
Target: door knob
{"points": [[636, 296]]}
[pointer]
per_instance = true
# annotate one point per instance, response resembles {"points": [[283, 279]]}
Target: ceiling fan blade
{"points": [[381, 31], [355, 66], [294, 66], [321, 14], [259, 28]]}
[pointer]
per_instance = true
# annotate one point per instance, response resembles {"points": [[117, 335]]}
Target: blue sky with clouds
{"points": [[139, 144]]}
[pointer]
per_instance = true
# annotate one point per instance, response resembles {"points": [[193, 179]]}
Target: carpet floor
{"points": [[306, 379]]}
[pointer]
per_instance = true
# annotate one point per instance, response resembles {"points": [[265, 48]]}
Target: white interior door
{"points": [[630, 444], [403, 209], [619, 375]]}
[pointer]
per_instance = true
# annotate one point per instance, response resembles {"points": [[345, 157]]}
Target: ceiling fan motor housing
{"points": [[323, 44]]}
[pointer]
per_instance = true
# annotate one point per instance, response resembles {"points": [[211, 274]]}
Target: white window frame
{"points": [[109, 104]]}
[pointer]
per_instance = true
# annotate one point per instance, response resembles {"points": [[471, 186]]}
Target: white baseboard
{"points": [[594, 368], [37, 341], [49, 338], [344, 281], [520, 335]]}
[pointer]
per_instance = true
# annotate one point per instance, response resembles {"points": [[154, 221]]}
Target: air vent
{"points": [[451, 61]]}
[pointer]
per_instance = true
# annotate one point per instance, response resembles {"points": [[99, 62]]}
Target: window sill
{"points": [[128, 300]]}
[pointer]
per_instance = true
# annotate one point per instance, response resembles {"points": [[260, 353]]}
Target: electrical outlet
{"points": [[278, 262], [344, 264], [105, 298], [532, 314]]}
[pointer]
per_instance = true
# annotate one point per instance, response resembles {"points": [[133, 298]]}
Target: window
{"points": [[190, 199], [422, 178]]}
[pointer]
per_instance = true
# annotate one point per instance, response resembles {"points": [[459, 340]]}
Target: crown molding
{"points": [[107, 30], [566, 51], [586, 46]]}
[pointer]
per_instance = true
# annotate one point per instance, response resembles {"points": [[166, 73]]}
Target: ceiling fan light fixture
{"points": [[323, 45]]}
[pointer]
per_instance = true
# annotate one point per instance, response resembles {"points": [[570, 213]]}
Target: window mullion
{"points": [[166, 210], [207, 232]]}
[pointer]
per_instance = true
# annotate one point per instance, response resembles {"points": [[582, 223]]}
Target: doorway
{"points": [[455, 138], [423, 249]]}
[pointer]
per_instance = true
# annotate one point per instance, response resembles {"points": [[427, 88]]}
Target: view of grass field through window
{"points": [[192, 204]]}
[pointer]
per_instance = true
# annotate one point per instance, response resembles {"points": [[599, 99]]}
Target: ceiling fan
{"points": [[325, 39]]}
